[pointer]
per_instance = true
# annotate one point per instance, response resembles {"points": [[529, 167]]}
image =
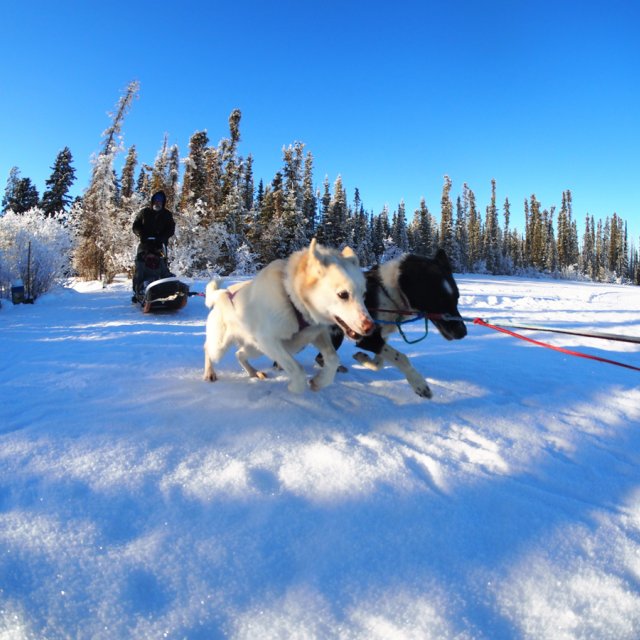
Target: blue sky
{"points": [[542, 96]]}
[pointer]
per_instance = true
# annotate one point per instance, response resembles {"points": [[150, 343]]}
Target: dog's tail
{"points": [[213, 292]]}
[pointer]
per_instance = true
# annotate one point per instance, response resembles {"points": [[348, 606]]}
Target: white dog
{"points": [[289, 304]]}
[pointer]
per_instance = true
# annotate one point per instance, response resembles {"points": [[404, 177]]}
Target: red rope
{"points": [[482, 323]]}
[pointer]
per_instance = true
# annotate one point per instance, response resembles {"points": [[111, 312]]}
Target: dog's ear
{"points": [[316, 259], [314, 255], [443, 260], [349, 254]]}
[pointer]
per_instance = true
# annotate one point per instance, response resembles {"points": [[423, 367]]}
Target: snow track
{"points": [[137, 501]]}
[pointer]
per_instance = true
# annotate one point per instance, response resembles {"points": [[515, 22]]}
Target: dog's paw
{"points": [[423, 391], [297, 385], [261, 375], [322, 379], [210, 377], [366, 361]]}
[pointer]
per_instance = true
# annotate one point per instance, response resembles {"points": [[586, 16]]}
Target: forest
{"points": [[228, 224]]}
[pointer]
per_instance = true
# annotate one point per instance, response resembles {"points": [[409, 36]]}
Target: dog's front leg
{"points": [[414, 378], [293, 369], [330, 358]]}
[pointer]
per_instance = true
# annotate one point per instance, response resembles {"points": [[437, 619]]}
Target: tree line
{"points": [[227, 224]]}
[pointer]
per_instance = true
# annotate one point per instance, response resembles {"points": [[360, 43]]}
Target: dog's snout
{"points": [[367, 325]]}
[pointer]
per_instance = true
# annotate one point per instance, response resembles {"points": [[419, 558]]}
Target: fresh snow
{"points": [[137, 501]]}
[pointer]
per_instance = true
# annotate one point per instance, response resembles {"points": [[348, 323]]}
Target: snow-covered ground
{"points": [[137, 501]]}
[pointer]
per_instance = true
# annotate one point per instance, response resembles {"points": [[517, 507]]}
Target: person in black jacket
{"points": [[154, 225]]}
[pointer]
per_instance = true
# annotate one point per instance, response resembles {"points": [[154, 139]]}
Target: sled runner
{"points": [[156, 288]]}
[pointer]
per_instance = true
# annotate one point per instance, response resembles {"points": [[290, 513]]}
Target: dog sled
{"points": [[155, 287]]}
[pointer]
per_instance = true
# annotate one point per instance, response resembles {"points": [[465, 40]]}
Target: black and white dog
{"points": [[410, 283]]}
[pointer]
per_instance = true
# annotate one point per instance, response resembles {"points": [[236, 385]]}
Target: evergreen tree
{"points": [[127, 179], [105, 241], [247, 183], [362, 243], [143, 184], [56, 196], [228, 154], [474, 234], [338, 213], [537, 232], [26, 196], [333, 225], [212, 195], [550, 246], [447, 237], [9, 198], [509, 244], [588, 260], [399, 233], [20, 193], [422, 230], [492, 234], [195, 175], [293, 234], [173, 178], [160, 171], [377, 235], [309, 198], [461, 259], [323, 233]]}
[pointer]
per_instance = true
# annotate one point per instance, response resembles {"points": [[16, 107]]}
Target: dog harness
{"points": [[302, 322]]}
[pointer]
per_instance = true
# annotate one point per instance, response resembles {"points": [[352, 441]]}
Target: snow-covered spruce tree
{"points": [[422, 228], [160, 171], [102, 238], [228, 151], [293, 226], [309, 197], [127, 177], [20, 193], [232, 214], [143, 183], [399, 228], [588, 254], [324, 232], [246, 262], [492, 243], [56, 196], [461, 259], [362, 242], [35, 248], [196, 249], [380, 231], [508, 249], [550, 245], [8, 199], [173, 178], [474, 233], [447, 236], [337, 218], [247, 188], [194, 182], [129, 203], [536, 235]]}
